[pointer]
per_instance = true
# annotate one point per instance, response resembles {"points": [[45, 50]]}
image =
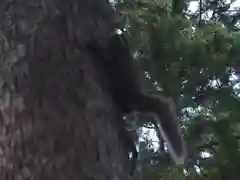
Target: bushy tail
{"points": [[167, 123]]}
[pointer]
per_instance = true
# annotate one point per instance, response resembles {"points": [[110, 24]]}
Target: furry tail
{"points": [[166, 122]]}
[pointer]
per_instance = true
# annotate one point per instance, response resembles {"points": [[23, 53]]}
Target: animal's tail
{"points": [[167, 123]]}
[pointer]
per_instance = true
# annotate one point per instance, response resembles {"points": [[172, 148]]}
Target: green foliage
{"points": [[192, 62], [174, 173]]}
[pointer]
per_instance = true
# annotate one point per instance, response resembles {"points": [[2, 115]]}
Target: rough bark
{"points": [[57, 121]]}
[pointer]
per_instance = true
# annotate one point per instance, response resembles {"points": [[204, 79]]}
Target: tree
{"points": [[57, 119]]}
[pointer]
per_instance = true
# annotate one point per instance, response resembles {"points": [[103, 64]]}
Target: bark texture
{"points": [[57, 120]]}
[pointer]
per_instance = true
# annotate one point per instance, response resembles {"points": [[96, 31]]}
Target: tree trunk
{"points": [[58, 121]]}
